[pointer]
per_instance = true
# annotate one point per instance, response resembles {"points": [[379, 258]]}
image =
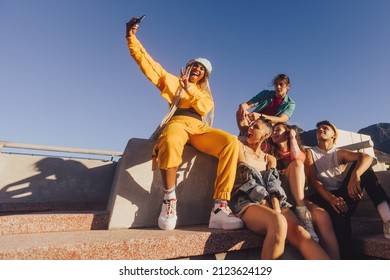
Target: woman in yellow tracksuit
{"points": [[190, 99]]}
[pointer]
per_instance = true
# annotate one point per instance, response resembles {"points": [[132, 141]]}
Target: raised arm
{"points": [[274, 119], [295, 151], [152, 69], [242, 118]]}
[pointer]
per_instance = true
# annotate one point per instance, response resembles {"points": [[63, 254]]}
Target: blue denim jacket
{"points": [[251, 187]]}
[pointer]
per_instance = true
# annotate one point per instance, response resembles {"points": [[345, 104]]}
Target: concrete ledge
{"points": [[55, 206], [132, 244], [366, 225], [136, 196], [35, 180], [190, 242], [368, 238], [53, 222], [372, 245]]}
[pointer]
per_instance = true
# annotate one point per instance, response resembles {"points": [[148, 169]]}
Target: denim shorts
{"points": [[240, 202]]}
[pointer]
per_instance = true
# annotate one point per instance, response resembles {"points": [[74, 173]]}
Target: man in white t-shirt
{"points": [[339, 177]]}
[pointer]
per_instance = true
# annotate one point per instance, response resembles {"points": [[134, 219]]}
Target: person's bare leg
{"points": [[169, 177], [324, 228], [296, 179], [298, 237], [263, 220]]}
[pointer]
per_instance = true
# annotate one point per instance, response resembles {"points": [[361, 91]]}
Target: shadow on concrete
{"points": [[231, 241], [142, 189], [60, 181]]}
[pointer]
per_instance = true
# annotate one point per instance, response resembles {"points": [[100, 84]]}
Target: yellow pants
{"points": [[215, 142]]}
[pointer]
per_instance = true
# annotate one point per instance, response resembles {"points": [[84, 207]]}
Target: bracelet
{"points": [[187, 88]]}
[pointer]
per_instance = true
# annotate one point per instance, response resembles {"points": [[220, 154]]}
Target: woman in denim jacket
{"points": [[259, 200]]}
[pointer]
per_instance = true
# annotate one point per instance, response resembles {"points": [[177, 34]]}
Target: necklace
{"points": [[252, 151]]}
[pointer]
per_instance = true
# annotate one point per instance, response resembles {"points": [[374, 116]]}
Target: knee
{"points": [[169, 147], [278, 226], [320, 216], [297, 164], [231, 140], [231, 144], [168, 141], [299, 236]]}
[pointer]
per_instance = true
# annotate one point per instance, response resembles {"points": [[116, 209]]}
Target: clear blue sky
{"points": [[67, 79]]}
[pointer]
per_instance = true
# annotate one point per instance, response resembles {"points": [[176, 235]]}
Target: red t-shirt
{"points": [[272, 108]]}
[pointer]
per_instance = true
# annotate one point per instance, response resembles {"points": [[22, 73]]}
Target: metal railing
{"points": [[58, 149]]}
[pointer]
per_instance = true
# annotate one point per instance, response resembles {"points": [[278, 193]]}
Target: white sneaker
{"points": [[168, 217], [223, 217], [304, 217], [386, 229]]}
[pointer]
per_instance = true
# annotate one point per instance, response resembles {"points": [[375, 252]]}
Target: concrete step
{"points": [[366, 225], [368, 238], [17, 223], [53, 222], [74, 239], [134, 244], [28, 207], [84, 235], [373, 246]]}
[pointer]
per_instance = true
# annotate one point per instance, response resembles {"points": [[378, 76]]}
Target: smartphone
{"points": [[137, 21]]}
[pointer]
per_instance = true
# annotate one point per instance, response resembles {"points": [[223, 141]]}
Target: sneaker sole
{"points": [[163, 226], [227, 227], [387, 236]]}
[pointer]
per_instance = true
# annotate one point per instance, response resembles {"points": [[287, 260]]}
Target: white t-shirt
{"points": [[329, 170]]}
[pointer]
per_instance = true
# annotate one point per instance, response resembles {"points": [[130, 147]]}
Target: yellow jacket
{"points": [[167, 83]]}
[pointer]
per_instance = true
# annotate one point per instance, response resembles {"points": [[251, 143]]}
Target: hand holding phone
{"points": [[135, 21], [132, 23]]}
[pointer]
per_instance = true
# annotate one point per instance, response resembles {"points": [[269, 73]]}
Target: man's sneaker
{"points": [[305, 220], [168, 217], [223, 217], [386, 229]]}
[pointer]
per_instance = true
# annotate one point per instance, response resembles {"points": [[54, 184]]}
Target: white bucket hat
{"points": [[205, 62]]}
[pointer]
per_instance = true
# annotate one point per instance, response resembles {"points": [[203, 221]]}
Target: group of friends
{"points": [[263, 173]]}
